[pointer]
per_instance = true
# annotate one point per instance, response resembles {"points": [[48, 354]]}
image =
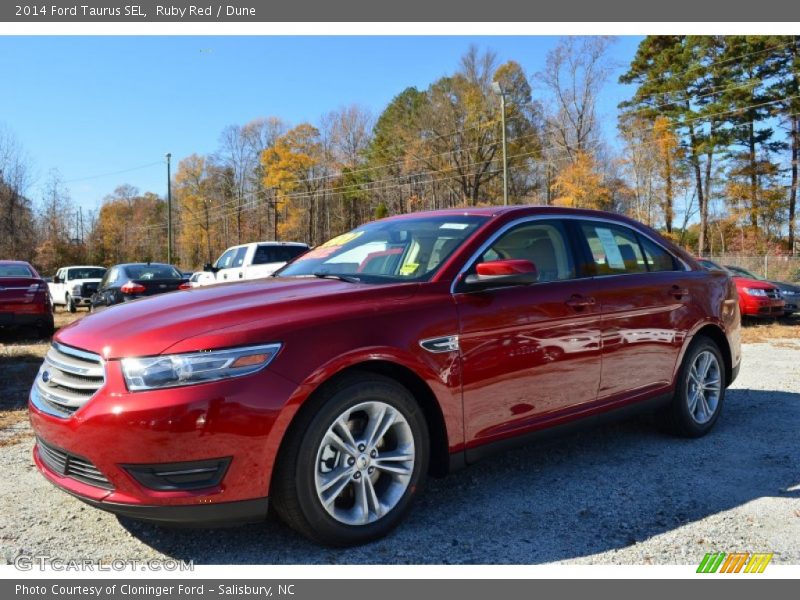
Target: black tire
{"points": [[677, 417], [46, 327], [71, 304], [293, 491]]}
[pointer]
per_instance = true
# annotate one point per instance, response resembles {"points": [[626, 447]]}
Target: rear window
{"points": [[146, 272], [275, 254], [15, 271]]}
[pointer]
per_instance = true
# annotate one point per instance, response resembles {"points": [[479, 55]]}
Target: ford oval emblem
{"points": [[45, 376]]}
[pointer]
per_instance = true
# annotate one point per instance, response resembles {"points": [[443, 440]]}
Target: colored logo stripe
{"points": [[734, 563], [758, 562]]}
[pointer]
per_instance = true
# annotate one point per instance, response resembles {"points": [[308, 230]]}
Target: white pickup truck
{"points": [[250, 261], [73, 286]]}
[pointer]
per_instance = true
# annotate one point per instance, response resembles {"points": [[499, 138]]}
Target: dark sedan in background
{"points": [[122, 283], [790, 292]]}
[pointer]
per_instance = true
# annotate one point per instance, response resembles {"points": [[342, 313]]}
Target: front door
{"points": [[528, 352]]}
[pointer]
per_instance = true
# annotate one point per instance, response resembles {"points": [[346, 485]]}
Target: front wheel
{"points": [[353, 462], [699, 391], [71, 304]]}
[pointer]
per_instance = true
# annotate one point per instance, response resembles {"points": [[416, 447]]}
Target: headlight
{"points": [[755, 292], [76, 290], [172, 370]]}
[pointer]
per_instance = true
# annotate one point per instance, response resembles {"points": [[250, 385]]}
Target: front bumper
{"points": [[767, 307], [116, 430], [223, 514]]}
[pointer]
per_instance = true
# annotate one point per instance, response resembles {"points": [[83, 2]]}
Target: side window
{"points": [[544, 243], [615, 250], [60, 275], [226, 260], [238, 259], [657, 258]]}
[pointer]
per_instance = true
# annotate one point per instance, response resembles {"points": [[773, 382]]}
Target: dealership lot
{"points": [[623, 493]]}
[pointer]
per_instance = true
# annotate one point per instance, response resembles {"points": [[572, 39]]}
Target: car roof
{"points": [[83, 267], [521, 209], [269, 243], [146, 264], [14, 262]]}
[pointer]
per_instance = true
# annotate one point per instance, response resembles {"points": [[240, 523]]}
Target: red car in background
{"points": [[409, 346], [756, 298], [24, 297]]}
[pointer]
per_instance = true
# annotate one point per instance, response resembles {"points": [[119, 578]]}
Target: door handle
{"points": [[581, 302], [678, 292]]}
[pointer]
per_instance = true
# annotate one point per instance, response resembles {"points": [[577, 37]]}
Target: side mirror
{"points": [[502, 273], [210, 268], [56, 279]]}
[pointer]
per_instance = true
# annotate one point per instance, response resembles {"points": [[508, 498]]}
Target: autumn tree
{"points": [[580, 185], [291, 167]]}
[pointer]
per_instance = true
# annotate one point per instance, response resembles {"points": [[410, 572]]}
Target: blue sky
{"points": [[90, 106]]}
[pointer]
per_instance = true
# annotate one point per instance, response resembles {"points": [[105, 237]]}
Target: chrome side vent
{"points": [[67, 380]]}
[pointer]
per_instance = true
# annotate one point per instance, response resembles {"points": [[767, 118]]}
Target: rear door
{"points": [[528, 352], [644, 295]]}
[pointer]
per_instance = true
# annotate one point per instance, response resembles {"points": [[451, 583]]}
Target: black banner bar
{"points": [[334, 589], [406, 11]]}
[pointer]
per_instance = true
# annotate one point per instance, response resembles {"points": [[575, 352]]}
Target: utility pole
{"points": [[169, 211], [501, 93]]}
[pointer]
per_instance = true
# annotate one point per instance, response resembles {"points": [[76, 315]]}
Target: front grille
{"points": [[774, 293], [68, 379], [87, 289], [69, 465]]}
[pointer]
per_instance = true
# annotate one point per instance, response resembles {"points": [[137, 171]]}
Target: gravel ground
{"points": [[623, 493]]}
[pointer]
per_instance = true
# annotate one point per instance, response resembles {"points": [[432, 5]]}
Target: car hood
{"points": [[747, 282], [152, 325], [786, 287]]}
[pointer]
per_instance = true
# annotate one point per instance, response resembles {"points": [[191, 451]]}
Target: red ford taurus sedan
{"points": [[408, 347]]}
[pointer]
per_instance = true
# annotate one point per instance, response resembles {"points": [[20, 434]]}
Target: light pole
{"points": [[169, 211], [497, 89]]}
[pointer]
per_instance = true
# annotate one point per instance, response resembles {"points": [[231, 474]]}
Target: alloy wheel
{"points": [[364, 463], [704, 387]]}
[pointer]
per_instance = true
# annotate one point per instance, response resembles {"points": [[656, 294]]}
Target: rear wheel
{"points": [[699, 392], [353, 462]]}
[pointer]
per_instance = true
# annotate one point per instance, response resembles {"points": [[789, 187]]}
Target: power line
{"points": [[140, 167]]}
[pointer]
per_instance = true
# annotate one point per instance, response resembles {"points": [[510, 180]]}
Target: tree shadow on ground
{"points": [[579, 495]]}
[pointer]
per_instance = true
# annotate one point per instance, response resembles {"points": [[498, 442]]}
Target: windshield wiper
{"points": [[339, 276]]}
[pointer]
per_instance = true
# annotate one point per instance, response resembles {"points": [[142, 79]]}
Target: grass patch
{"points": [[783, 332], [21, 355]]}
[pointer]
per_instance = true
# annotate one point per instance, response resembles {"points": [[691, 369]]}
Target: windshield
{"points": [[86, 273], [745, 272], [712, 266], [388, 251], [143, 272]]}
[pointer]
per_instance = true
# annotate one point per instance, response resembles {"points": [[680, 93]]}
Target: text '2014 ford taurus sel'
{"points": [[407, 347]]}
